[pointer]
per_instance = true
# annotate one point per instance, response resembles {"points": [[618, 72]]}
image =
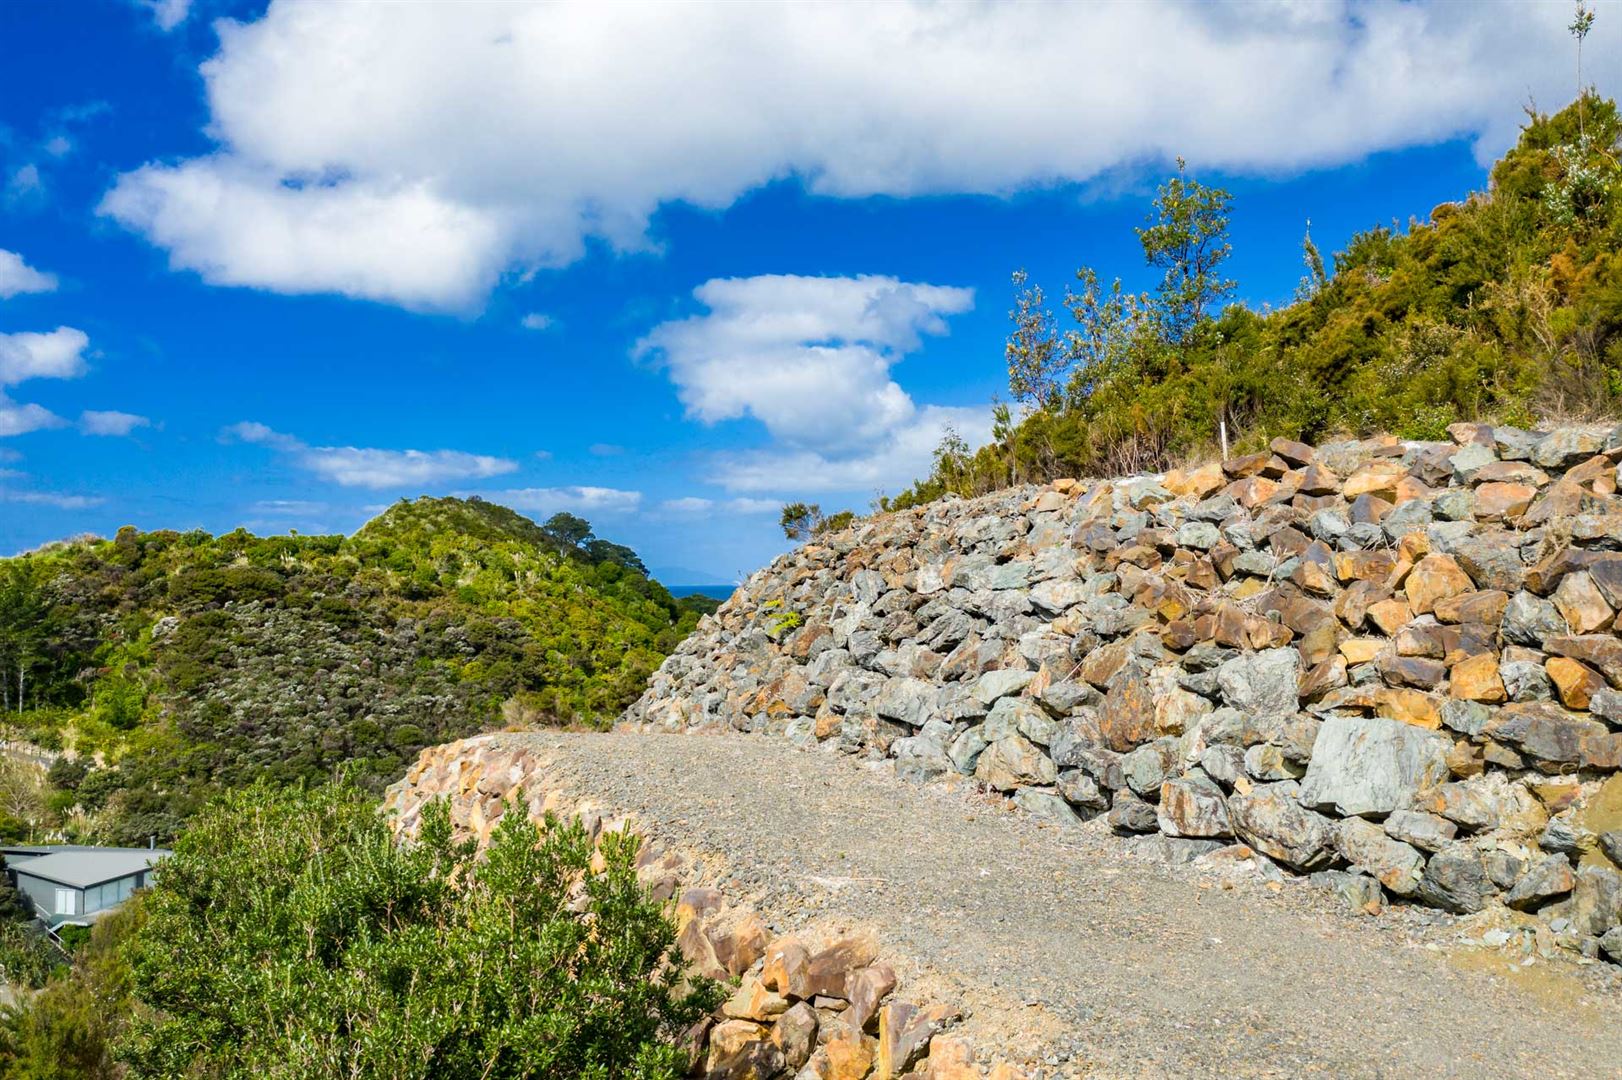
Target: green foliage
{"points": [[191, 663], [802, 521], [289, 936], [1506, 306], [67, 1030]]}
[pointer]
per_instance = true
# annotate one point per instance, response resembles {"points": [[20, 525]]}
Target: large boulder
{"points": [[1014, 762], [1263, 683], [1193, 806], [1372, 765], [1272, 820]]}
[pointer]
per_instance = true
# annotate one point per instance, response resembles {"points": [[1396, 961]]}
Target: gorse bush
{"points": [[1505, 306], [290, 936]]}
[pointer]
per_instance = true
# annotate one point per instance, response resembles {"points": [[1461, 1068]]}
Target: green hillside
{"points": [[172, 664], [1506, 305]]}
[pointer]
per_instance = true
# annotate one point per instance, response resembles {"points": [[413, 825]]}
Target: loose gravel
{"points": [[1061, 941]]}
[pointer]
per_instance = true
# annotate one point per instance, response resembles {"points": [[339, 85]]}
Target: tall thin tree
{"points": [[1582, 22]]}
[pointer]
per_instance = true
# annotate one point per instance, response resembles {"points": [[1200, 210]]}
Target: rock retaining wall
{"points": [[1396, 661]]}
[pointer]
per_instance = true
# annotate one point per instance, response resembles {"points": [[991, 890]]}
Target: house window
{"points": [[67, 902]]}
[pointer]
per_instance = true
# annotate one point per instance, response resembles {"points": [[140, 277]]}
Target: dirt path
{"points": [[1127, 966]]}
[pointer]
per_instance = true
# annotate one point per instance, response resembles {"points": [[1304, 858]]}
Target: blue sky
{"points": [[666, 267]]}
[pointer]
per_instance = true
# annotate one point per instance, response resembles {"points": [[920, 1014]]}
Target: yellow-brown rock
{"points": [[904, 1034], [1574, 682], [752, 1001], [1477, 679], [1579, 600], [1433, 578], [1410, 706]]}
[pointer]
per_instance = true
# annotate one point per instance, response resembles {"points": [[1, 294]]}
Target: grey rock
{"points": [[1147, 767], [1001, 683], [1272, 820], [1550, 878], [1596, 900], [1264, 682], [1429, 832], [1082, 791], [1564, 447], [1193, 806], [1529, 620], [1610, 943], [1021, 716], [1224, 764], [966, 749], [1469, 460], [1359, 892], [1394, 864], [908, 700], [1456, 880], [1610, 843], [1046, 804], [1372, 765], [1465, 717], [1014, 762]]}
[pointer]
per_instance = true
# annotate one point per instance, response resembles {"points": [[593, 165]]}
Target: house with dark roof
{"points": [[69, 883]]}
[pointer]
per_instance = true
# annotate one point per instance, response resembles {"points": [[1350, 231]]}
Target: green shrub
{"points": [[289, 936]]}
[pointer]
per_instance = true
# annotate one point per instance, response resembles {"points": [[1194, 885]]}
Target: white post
{"points": [[1222, 428]]}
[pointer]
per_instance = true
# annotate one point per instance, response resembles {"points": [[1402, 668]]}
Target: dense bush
{"points": [[190, 662], [289, 936], [1506, 306]]}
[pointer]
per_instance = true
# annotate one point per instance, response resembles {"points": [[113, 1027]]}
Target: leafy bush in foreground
{"points": [[289, 936]]}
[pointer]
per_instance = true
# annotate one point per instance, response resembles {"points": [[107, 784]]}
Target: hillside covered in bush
{"points": [[1505, 306], [165, 666]]}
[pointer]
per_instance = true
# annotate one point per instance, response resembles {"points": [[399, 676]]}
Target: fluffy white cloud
{"points": [[58, 354], [392, 241], [696, 506], [17, 276], [353, 466], [546, 501], [902, 456], [17, 418], [536, 320], [110, 422], [810, 359], [341, 168]]}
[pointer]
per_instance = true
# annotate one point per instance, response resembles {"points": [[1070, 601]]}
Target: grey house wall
{"points": [[43, 894]]}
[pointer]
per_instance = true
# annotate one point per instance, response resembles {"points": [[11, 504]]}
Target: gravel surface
{"points": [[1115, 964]]}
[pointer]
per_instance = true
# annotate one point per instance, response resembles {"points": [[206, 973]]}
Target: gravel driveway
{"points": [[1117, 964]]}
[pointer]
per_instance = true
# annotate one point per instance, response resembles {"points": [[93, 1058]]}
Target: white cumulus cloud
{"points": [[575, 499], [16, 276], [368, 467], [340, 167], [17, 418], [810, 358], [110, 422], [58, 354], [536, 320]]}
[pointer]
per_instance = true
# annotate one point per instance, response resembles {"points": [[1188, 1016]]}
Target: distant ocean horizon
{"points": [[715, 592]]}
